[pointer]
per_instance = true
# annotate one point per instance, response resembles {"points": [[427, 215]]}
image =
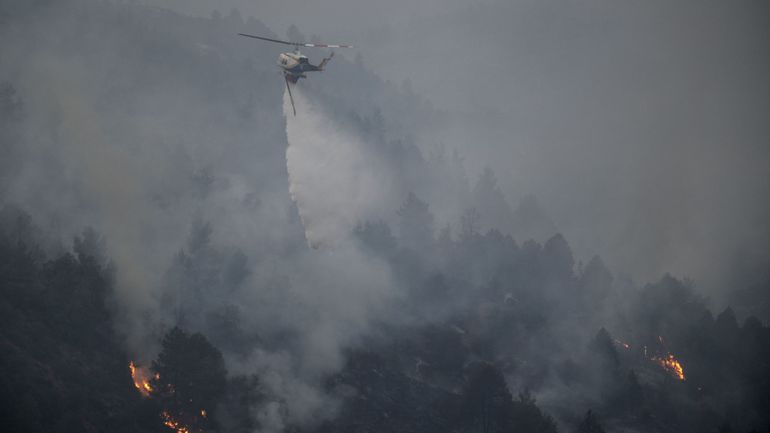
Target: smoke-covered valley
{"points": [[383, 260]]}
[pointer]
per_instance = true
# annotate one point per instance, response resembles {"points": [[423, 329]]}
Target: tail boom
{"points": [[323, 63]]}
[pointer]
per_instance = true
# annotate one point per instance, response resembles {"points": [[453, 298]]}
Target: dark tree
{"points": [[293, 34], [595, 280], [67, 371], [487, 402], [590, 424], [415, 224], [633, 395], [527, 417], [11, 107], [90, 246], [530, 220], [726, 322], [469, 224], [488, 198], [190, 377], [558, 256], [603, 346], [236, 414]]}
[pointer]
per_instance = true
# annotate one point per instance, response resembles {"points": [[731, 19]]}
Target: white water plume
{"points": [[335, 180]]}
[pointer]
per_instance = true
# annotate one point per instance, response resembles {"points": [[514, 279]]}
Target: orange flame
{"points": [[668, 362], [173, 424], [141, 379], [672, 365], [625, 345]]}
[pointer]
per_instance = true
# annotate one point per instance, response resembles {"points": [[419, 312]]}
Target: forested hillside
{"points": [[485, 319]]}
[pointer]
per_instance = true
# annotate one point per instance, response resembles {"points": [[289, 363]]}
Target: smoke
{"points": [[334, 179], [187, 183], [306, 309], [73, 173]]}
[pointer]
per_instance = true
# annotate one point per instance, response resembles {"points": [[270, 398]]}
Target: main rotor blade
{"points": [[297, 44], [270, 40], [327, 46]]}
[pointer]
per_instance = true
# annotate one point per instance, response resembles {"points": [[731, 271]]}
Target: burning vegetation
{"points": [[622, 344], [668, 361], [173, 424], [143, 381], [141, 377], [188, 377], [670, 364]]}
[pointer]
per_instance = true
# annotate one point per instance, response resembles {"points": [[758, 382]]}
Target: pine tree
{"points": [[595, 280], [190, 377], [469, 224], [487, 402], [527, 417], [603, 346], [590, 424], [415, 224], [490, 201], [558, 256]]}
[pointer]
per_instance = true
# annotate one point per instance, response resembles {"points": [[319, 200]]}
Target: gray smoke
{"points": [[187, 183]]}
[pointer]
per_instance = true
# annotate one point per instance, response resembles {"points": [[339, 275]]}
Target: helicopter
{"points": [[295, 64]]}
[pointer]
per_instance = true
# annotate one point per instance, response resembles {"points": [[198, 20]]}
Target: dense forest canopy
{"points": [[178, 252]]}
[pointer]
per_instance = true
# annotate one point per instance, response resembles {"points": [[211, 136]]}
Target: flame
{"points": [[173, 424], [667, 362], [671, 364], [626, 345], [141, 379]]}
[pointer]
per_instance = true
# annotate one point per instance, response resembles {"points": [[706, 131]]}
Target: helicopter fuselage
{"points": [[294, 65]]}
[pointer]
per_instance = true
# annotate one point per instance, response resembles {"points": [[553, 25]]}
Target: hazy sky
{"points": [[335, 17]]}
